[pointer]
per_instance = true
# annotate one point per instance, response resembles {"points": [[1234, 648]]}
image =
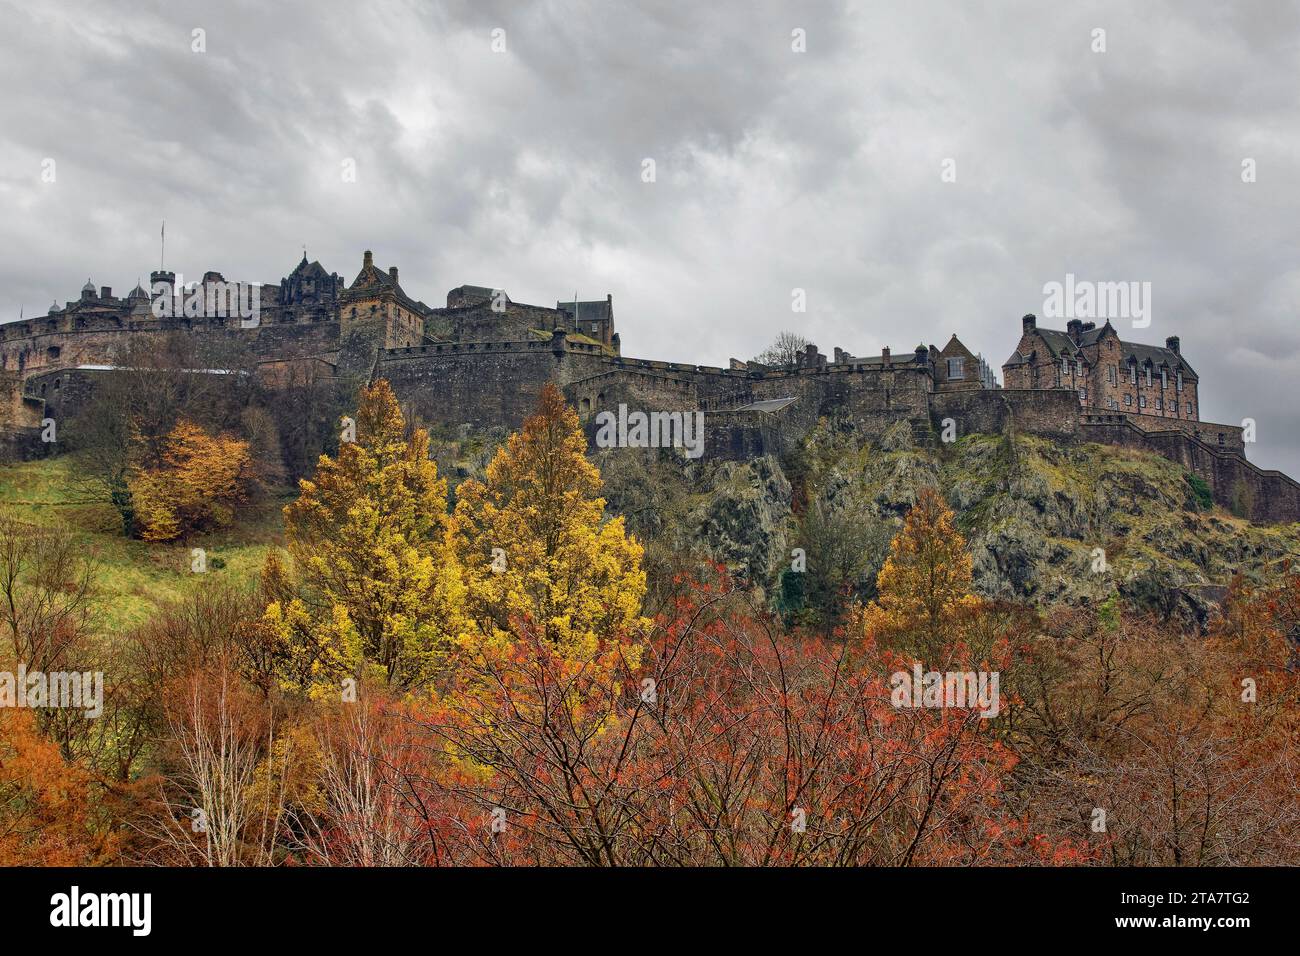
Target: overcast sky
{"points": [[774, 169]]}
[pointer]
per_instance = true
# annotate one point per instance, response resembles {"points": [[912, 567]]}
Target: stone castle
{"points": [[482, 358]]}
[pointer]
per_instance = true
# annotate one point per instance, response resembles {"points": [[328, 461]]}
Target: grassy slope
{"points": [[134, 576]]}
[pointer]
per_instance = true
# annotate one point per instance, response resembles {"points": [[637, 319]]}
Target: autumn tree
{"points": [[199, 482], [48, 805], [534, 543], [924, 588], [368, 537], [722, 743], [157, 381]]}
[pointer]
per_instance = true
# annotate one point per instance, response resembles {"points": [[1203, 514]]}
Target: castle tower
{"points": [[375, 306]]}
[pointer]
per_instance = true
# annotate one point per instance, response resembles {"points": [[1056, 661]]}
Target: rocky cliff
{"points": [[1046, 523]]}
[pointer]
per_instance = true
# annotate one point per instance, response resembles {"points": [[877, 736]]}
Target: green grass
{"points": [[134, 577]]}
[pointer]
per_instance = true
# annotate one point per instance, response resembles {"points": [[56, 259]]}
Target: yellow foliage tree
{"points": [[368, 535], [200, 482], [534, 546], [923, 590]]}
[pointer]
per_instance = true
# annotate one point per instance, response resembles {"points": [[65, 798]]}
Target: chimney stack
{"points": [[884, 356], [392, 274], [1029, 322], [105, 292], [367, 259], [1075, 329], [1172, 344]]}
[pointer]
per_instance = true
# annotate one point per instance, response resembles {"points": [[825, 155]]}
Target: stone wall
{"points": [[1040, 411], [1255, 493], [482, 384]]}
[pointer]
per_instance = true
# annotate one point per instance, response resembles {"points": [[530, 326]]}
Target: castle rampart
{"points": [[483, 359]]}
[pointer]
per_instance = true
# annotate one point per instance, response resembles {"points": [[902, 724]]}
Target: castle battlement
{"points": [[483, 358]]}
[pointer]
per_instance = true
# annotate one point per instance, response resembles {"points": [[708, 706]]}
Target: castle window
{"points": [[1112, 374], [954, 369], [1178, 380], [1133, 372], [1078, 367], [52, 352], [1083, 394], [1142, 401], [1065, 368], [56, 385], [1189, 409], [1128, 400], [1164, 378], [1160, 404], [1148, 376], [1220, 438]]}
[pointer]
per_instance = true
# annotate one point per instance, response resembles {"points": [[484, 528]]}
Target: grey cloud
{"points": [[775, 170]]}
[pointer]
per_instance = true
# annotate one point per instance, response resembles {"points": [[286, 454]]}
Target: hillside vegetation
{"points": [[1046, 523]]}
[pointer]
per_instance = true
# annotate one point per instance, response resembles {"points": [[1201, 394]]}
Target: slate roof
{"points": [[587, 311], [1060, 344], [311, 269], [371, 278], [767, 405]]}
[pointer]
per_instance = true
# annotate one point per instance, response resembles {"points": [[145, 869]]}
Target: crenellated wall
{"points": [[749, 409]]}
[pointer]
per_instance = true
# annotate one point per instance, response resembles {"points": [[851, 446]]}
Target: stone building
{"points": [[1153, 387], [376, 296], [483, 358]]}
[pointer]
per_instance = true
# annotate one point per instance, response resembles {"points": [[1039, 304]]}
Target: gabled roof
{"points": [[587, 311], [1060, 345], [372, 280], [313, 269], [1157, 356]]}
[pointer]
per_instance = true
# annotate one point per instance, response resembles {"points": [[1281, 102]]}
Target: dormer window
{"points": [[1164, 378], [1078, 367], [1133, 372], [1148, 370], [1178, 380], [1065, 368]]}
